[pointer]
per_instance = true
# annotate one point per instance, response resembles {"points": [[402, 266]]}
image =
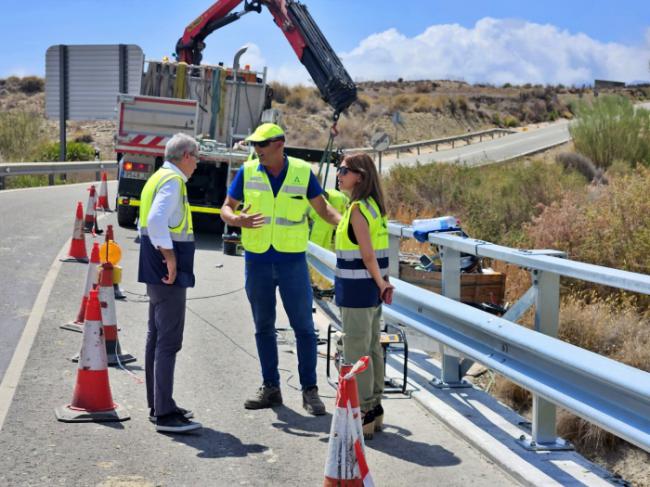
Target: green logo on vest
{"points": [[296, 180]]}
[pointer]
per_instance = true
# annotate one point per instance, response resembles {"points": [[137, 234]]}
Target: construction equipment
{"points": [[295, 22], [219, 106]]}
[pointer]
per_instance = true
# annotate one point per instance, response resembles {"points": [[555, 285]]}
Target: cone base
{"points": [[73, 326], [67, 414], [125, 358], [82, 260]]}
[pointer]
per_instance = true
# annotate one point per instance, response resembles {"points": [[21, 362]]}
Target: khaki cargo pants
{"points": [[361, 333]]}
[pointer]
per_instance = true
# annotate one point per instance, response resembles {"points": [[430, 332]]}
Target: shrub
{"points": [[280, 91], [31, 84], [75, 151], [493, 202], [610, 128], [423, 104], [509, 121], [20, 133], [607, 225]]}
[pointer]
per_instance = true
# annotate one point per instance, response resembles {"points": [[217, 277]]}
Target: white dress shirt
{"points": [[167, 210]]}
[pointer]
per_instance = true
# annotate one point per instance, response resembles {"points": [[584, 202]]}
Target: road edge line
{"points": [[19, 359]]}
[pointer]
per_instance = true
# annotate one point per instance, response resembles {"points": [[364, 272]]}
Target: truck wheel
{"points": [[126, 216]]}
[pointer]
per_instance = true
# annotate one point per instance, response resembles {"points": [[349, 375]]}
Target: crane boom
{"points": [[308, 42]]}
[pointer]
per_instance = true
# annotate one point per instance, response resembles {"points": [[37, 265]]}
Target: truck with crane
{"points": [[218, 105]]}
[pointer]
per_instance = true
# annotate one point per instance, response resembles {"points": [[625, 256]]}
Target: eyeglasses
{"points": [[343, 170], [264, 143]]}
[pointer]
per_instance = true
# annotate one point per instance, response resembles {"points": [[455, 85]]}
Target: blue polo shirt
{"points": [[236, 191]]}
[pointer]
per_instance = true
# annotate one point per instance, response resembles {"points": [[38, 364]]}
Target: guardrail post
{"points": [[450, 374], [547, 311], [393, 255]]}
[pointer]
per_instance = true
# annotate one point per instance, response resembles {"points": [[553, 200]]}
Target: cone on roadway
{"points": [[114, 352], [346, 463], [90, 218], [91, 279], [102, 201], [92, 400], [114, 259], [77, 252]]}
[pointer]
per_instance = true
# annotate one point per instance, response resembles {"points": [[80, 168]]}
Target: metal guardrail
{"points": [[51, 168], [610, 394], [436, 142]]}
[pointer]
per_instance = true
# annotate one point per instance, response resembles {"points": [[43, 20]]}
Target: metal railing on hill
{"points": [[50, 168], [467, 138], [605, 392]]}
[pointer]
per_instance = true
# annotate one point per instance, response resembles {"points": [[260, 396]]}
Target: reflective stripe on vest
{"points": [[285, 215]]}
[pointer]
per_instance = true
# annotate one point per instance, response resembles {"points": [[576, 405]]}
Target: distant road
{"points": [[497, 150]]}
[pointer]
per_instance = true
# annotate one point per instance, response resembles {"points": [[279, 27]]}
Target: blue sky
{"points": [[571, 42]]}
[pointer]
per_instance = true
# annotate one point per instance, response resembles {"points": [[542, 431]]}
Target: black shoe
{"points": [[265, 397], [186, 413], [176, 423], [378, 411], [312, 402], [368, 424]]}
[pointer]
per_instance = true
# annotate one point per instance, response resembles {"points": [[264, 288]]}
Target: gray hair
{"points": [[178, 145]]}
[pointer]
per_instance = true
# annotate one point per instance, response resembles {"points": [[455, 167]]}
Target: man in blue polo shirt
{"points": [[277, 191]]}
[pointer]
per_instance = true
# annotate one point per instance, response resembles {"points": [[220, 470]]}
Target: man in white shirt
{"points": [[167, 267]]}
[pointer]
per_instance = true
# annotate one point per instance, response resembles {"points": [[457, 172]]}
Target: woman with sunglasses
{"points": [[361, 282]]}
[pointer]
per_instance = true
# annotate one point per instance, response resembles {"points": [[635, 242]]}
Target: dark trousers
{"points": [[262, 279], [164, 341]]}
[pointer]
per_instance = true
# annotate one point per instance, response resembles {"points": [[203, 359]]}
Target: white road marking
{"points": [[19, 358]]}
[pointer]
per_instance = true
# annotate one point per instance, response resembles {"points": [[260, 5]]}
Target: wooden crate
{"points": [[488, 287]]}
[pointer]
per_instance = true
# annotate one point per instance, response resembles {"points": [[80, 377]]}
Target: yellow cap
{"points": [[264, 132]]}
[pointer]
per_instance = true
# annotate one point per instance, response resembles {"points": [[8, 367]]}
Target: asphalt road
{"points": [[216, 370], [36, 222]]}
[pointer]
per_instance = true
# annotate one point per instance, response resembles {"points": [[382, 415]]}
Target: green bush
{"points": [[20, 134], [610, 128], [509, 121], [75, 151], [493, 202]]}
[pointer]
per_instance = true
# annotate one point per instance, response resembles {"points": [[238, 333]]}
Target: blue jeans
{"points": [[292, 278]]}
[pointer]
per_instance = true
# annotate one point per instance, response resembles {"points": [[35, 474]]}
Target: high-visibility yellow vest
{"points": [[184, 231], [151, 268], [322, 233], [354, 286], [285, 215]]}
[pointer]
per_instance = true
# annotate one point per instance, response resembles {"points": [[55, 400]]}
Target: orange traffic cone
{"points": [[346, 463], [109, 318], [90, 218], [91, 279], [77, 252], [92, 399], [102, 201], [96, 230]]}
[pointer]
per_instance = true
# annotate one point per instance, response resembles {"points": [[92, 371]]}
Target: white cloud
{"points": [[496, 51]]}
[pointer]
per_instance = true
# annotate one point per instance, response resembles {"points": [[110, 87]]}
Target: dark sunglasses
{"points": [[343, 170], [264, 143]]}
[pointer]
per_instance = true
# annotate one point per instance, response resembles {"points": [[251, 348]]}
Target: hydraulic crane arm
{"points": [[306, 39]]}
